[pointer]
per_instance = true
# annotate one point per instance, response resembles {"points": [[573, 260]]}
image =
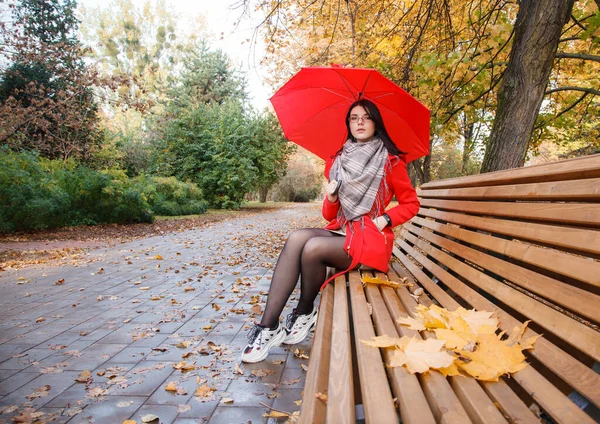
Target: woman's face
{"points": [[362, 126]]}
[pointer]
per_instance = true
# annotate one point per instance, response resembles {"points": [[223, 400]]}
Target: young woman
{"points": [[364, 176]]}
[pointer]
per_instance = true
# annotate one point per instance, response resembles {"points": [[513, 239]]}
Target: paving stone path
{"points": [[136, 319]]}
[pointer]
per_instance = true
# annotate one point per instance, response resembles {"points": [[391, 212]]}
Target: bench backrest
{"points": [[526, 243]]}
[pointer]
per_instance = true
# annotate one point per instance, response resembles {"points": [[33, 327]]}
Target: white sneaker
{"points": [[260, 341], [298, 326]]}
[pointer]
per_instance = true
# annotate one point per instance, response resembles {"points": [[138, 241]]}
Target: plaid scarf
{"points": [[361, 168]]}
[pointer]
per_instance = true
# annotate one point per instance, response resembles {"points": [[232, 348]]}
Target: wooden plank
{"points": [[412, 403], [571, 169], [573, 332], [509, 403], [376, 393], [582, 269], [584, 214], [580, 301], [340, 391], [577, 239], [575, 190], [444, 404], [314, 410], [578, 375]]}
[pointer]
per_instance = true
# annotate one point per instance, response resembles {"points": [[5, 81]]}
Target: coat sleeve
{"points": [[406, 195], [329, 210]]}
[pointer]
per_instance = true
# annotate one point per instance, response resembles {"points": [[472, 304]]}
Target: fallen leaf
{"points": [[84, 376], [204, 391], [40, 392], [238, 370], [421, 355], [183, 366], [276, 414], [148, 418], [263, 372], [226, 401], [158, 257], [182, 408], [377, 280], [144, 288], [412, 323], [129, 422], [304, 367], [321, 396], [40, 319], [256, 309], [171, 387]]}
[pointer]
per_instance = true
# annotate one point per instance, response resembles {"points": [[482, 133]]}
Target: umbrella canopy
{"points": [[312, 108]]}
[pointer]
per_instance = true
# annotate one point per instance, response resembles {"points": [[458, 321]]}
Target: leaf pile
{"points": [[466, 344]]}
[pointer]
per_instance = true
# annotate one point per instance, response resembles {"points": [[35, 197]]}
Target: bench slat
{"points": [[577, 190], [405, 386], [376, 393], [579, 376], [577, 239], [556, 291], [585, 214], [572, 169], [578, 335], [561, 263], [340, 392], [314, 410]]}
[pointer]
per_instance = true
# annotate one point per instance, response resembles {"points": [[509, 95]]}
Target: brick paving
{"points": [[123, 318]]}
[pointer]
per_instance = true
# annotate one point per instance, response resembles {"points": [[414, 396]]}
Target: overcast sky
{"points": [[221, 19]]}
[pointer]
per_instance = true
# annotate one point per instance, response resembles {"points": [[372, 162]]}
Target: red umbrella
{"points": [[312, 108]]}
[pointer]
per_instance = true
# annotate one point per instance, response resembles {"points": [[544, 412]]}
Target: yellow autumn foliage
{"points": [[466, 344]]}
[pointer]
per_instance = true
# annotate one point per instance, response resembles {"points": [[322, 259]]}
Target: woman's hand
{"points": [[330, 189], [380, 222]]}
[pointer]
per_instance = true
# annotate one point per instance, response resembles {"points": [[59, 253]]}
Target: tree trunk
{"points": [[468, 147], [423, 168], [262, 194], [537, 31]]}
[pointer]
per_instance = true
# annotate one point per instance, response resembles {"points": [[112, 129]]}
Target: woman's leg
{"points": [[317, 255], [288, 269]]}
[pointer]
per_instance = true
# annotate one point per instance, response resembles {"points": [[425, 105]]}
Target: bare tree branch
{"points": [[572, 88], [582, 56]]}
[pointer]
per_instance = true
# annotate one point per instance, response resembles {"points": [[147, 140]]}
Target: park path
{"points": [[122, 319]]}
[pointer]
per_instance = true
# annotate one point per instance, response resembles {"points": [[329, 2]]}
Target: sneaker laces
{"points": [[254, 333], [291, 319]]}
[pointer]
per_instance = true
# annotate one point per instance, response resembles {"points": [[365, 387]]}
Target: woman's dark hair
{"points": [[380, 130]]}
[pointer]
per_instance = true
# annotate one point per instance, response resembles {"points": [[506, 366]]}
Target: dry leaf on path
{"points": [[83, 376], [204, 391], [276, 414], [149, 418]]}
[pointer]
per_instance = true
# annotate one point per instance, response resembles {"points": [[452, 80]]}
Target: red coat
{"points": [[370, 246]]}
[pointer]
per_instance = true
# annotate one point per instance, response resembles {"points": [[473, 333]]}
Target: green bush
{"points": [[37, 193], [171, 197]]}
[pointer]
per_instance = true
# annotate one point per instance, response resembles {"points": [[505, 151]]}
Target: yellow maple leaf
{"points": [[376, 280], [433, 316], [480, 322], [422, 355], [413, 324], [528, 342], [453, 339], [491, 359], [384, 341], [171, 387], [450, 371]]}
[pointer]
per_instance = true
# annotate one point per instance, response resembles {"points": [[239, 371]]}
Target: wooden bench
{"points": [[524, 243]]}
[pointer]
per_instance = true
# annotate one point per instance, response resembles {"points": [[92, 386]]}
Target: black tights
{"points": [[307, 253]]}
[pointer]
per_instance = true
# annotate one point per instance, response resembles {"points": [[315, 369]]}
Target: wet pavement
{"points": [[152, 327]]}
